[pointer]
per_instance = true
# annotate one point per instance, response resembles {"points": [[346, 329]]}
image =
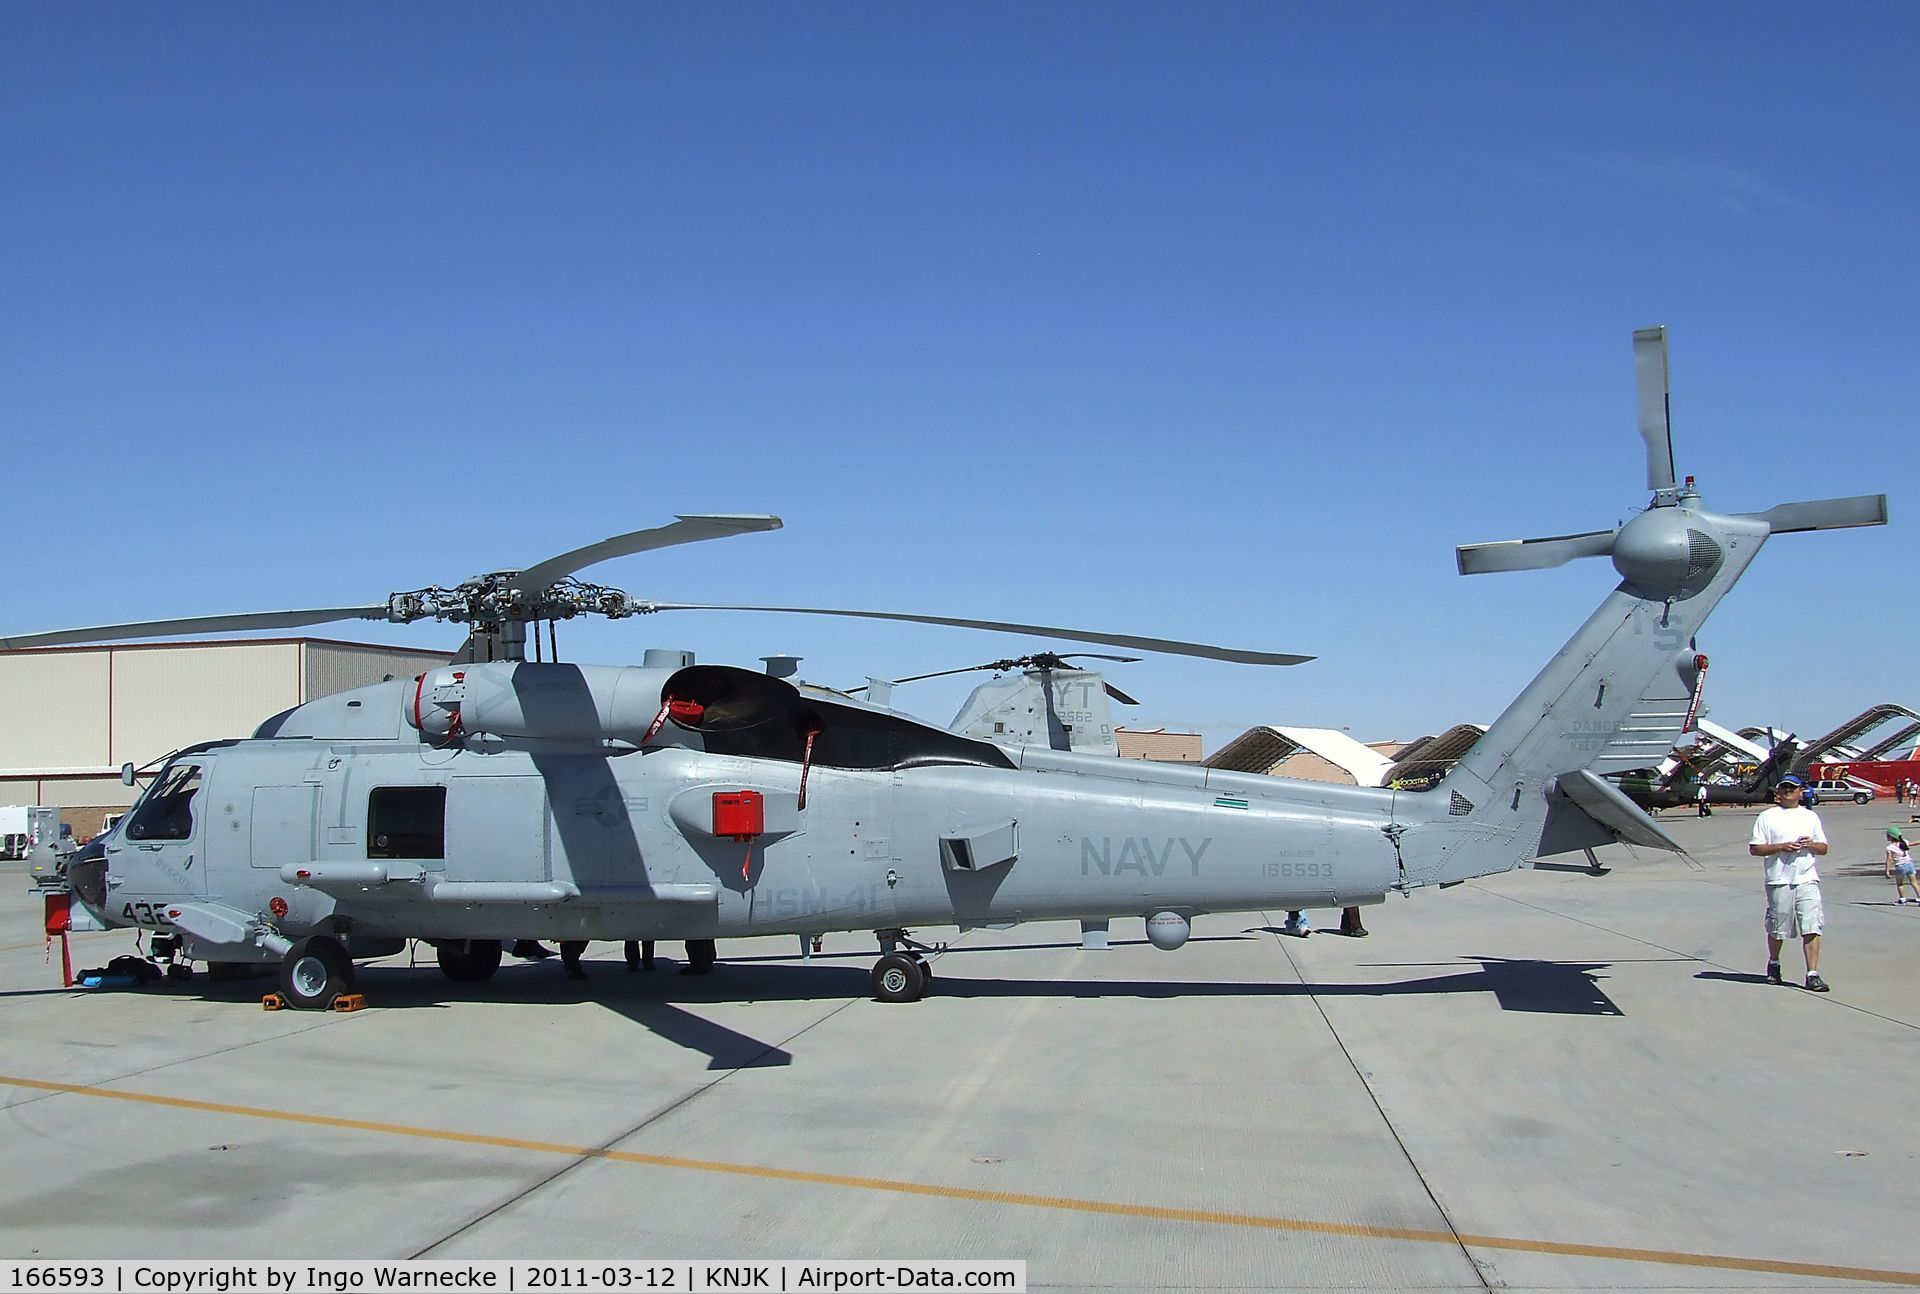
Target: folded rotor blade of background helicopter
{"points": [[1824, 514], [1171, 646], [685, 530], [1532, 554], [1656, 421], [1042, 658], [194, 625], [1003, 665]]}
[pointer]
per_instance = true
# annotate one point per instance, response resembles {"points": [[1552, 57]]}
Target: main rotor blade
{"points": [[194, 625], [685, 530], [1531, 554], [1120, 696], [1656, 423], [1825, 514], [1171, 646]]}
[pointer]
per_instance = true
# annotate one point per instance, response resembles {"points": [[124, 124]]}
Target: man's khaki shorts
{"points": [[1794, 910]]}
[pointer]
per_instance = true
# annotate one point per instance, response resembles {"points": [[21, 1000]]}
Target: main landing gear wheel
{"points": [[468, 961], [701, 954], [315, 971], [898, 977]]}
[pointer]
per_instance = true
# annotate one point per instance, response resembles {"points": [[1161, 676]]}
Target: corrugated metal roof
{"points": [[1431, 757], [1259, 749]]}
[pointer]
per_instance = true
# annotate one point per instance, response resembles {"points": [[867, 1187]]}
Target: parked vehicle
{"points": [[25, 826], [1837, 790]]}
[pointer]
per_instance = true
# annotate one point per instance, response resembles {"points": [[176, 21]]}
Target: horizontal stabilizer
{"points": [[1532, 554], [1609, 806], [1825, 514]]}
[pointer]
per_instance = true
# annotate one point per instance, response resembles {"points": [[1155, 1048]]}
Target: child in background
{"points": [[1900, 867]]}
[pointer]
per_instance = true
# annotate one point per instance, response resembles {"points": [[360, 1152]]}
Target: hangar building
{"points": [[1328, 755], [71, 716], [1158, 744]]}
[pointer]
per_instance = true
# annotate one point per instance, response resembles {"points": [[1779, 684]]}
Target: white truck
{"points": [[22, 826]]}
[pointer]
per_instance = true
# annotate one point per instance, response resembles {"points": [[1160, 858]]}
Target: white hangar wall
{"points": [[70, 716]]}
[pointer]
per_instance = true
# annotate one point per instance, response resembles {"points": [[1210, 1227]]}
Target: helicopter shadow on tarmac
{"points": [[1546, 987], [641, 998], [637, 997], [654, 1000]]}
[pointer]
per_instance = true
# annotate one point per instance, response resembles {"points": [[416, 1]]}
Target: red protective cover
{"points": [[59, 913], [739, 815]]}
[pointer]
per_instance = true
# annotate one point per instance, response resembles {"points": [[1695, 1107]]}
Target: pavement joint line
{"points": [[1374, 1097], [332, 1019], [1828, 998], [606, 1149], [931, 1190]]}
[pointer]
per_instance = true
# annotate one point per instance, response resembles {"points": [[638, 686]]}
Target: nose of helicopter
{"points": [[87, 873]]}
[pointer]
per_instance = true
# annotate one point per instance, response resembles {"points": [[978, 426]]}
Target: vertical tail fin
{"points": [[1618, 693]]}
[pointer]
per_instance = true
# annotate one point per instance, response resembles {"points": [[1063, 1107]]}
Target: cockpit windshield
{"points": [[166, 811]]}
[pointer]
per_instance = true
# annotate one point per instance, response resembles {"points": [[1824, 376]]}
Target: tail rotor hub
{"points": [[1668, 552]]}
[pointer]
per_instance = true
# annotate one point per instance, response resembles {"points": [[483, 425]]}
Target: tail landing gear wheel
{"points": [[899, 978], [468, 961], [315, 971]]}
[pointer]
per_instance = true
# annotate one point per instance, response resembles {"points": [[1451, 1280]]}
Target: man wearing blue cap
{"points": [[1789, 837]]}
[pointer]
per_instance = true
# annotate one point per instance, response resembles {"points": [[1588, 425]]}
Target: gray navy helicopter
{"points": [[498, 798]]}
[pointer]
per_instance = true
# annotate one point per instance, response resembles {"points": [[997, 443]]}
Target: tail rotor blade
{"points": [[1532, 554], [1825, 514], [1656, 426]]}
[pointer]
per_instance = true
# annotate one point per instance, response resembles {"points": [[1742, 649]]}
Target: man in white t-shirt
{"points": [[1789, 838]]}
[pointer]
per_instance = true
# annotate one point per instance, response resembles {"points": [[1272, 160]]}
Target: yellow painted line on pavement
{"points": [[1208, 1217]]}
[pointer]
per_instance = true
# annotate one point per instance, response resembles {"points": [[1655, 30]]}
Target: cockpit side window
{"points": [[166, 811], [407, 822]]}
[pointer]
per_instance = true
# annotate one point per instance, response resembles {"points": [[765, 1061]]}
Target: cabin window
{"points": [[407, 822], [166, 811]]}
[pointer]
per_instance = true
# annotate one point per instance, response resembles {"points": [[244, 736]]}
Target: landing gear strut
{"points": [[902, 976]]}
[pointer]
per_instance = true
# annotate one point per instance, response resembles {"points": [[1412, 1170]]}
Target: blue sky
{"points": [[1221, 322]]}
